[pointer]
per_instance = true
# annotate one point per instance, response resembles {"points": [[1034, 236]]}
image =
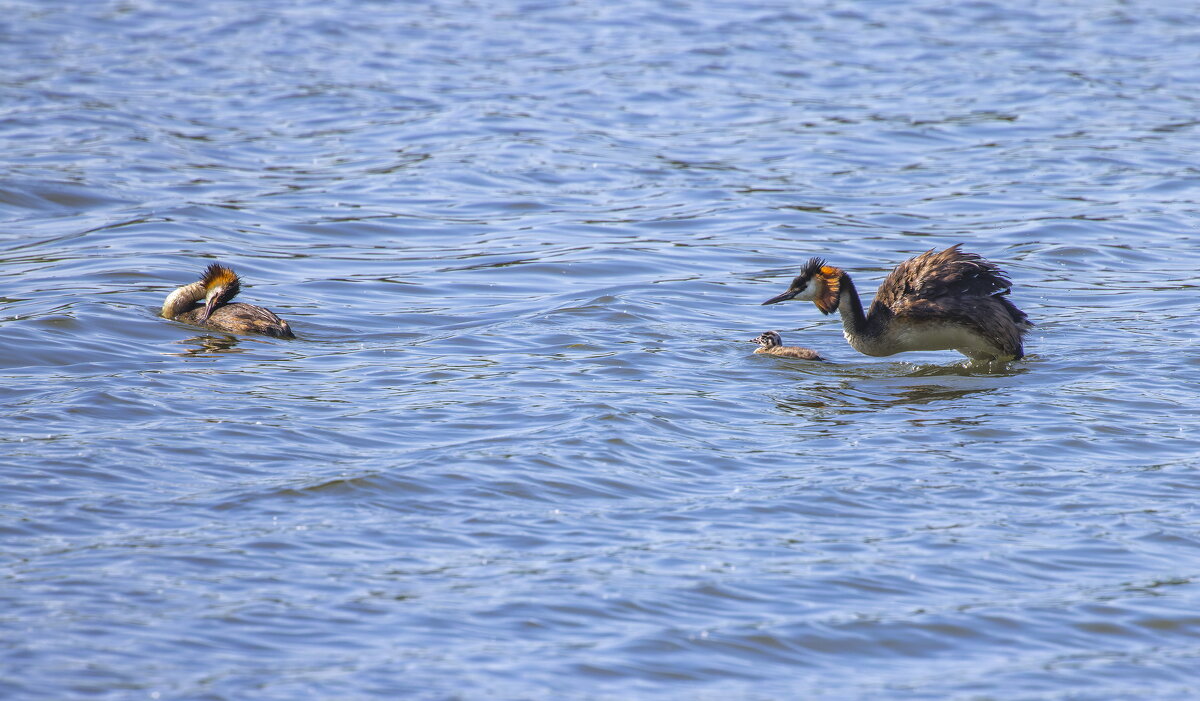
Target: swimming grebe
{"points": [[772, 344], [936, 301], [216, 287]]}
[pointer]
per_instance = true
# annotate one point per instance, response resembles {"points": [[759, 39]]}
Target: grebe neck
{"points": [[854, 321], [182, 299], [864, 332]]}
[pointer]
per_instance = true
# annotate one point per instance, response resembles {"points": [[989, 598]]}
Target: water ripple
{"points": [[520, 446]]}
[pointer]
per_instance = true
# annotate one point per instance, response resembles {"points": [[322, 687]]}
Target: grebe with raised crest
{"points": [[935, 301], [217, 287]]}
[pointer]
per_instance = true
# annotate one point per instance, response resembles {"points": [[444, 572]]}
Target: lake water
{"points": [[520, 447]]}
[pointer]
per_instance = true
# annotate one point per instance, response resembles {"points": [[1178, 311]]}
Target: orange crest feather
{"points": [[828, 295], [217, 275]]}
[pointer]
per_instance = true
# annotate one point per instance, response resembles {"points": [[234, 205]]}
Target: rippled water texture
{"points": [[521, 448]]}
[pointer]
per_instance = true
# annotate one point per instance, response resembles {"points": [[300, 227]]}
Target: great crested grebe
{"points": [[935, 301], [216, 287], [772, 344]]}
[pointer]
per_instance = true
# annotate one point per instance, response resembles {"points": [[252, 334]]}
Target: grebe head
{"points": [[817, 283], [220, 285], [768, 339]]}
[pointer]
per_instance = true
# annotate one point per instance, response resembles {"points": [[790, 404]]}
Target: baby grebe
{"points": [[217, 286], [772, 344], [936, 301]]}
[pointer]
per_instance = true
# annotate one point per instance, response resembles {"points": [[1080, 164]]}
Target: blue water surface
{"points": [[520, 447]]}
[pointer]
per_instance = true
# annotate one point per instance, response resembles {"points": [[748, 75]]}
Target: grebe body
{"points": [[771, 343], [216, 288], [948, 300]]}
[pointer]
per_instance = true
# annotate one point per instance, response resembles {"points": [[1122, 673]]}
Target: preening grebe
{"points": [[217, 286], [772, 344], [936, 301]]}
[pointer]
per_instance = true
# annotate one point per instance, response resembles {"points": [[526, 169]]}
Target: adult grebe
{"points": [[216, 287], [772, 344], [936, 301]]}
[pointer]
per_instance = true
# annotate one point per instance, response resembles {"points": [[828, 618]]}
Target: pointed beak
{"points": [[209, 305], [783, 297]]}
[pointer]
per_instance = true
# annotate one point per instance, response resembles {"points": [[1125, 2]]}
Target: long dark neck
{"points": [[854, 321]]}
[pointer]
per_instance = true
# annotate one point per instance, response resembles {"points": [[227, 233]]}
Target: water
{"points": [[521, 448]]}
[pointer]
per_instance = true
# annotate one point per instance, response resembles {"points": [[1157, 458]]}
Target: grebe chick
{"points": [[772, 344], [935, 301], [217, 287]]}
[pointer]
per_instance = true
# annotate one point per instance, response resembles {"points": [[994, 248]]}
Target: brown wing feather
{"points": [[957, 287], [948, 273], [240, 318]]}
